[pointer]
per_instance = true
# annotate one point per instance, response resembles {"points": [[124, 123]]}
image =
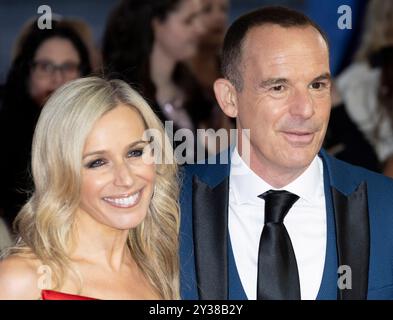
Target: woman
{"points": [[44, 60], [103, 219], [205, 64], [366, 85], [146, 43]]}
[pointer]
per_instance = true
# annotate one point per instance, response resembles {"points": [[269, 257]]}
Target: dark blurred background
{"points": [[14, 13]]}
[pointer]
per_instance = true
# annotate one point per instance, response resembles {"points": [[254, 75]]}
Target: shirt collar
{"points": [[245, 185]]}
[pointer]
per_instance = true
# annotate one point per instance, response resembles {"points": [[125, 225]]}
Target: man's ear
{"points": [[226, 96]]}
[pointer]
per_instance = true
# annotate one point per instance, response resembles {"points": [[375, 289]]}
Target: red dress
{"points": [[56, 295]]}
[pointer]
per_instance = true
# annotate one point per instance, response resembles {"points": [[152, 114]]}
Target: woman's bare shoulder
{"points": [[19, 278]]}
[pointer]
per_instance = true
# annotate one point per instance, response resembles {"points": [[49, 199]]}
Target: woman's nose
{"points": [[123, 175]]}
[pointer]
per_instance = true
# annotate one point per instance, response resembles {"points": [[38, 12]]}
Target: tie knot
{"points": [[277, 204]]}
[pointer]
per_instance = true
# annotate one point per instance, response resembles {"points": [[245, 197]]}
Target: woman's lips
{"points": [[126, 201]]}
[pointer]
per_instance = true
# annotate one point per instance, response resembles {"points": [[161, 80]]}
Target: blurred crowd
{"points": [[169, 50]]}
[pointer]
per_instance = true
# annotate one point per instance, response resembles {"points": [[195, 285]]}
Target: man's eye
{"points": [[135, 153], [278, 88], [318, 85], [95, 163]]}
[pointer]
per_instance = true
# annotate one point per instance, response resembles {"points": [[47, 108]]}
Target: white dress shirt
{"points": [[305, 223]]}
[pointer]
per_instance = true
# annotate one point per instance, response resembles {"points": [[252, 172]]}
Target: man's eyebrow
{"points": [[272, 82], [325, 76], [100, 152], [278, 81]]}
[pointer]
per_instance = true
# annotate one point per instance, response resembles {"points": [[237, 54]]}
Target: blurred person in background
{"points": [[5, 236], [85, 33], [366, 86], [345, 141], [205, 65], [44, 60], [147, 43]]}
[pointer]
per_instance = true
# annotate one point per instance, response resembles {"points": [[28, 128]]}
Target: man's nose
{"points": [[302, 104]]}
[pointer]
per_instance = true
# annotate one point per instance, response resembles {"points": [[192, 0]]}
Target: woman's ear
{"points": [[226, 96]]}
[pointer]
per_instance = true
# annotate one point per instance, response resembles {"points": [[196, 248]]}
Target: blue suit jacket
{"points": [[359, 210]]}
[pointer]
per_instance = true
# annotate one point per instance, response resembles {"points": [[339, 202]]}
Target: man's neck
{"points": [[275, 176]]}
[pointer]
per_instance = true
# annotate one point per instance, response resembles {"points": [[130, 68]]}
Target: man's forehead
{"points": [[293, 57], [270, 38]]}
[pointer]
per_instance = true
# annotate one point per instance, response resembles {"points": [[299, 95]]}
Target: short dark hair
{"points": [[236, 34]]}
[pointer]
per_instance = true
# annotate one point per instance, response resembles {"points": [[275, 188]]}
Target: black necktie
{"points": [[278, 277]]}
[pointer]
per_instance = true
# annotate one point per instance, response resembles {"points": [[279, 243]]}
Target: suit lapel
{"points": [[353, 239], [347, 205], [210, 221]]}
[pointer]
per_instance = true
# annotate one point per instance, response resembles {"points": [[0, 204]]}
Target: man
{"points": [[327, 233]]}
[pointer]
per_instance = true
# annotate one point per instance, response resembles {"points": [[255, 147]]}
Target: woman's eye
{"points": [[135, 153], [95, 163]]}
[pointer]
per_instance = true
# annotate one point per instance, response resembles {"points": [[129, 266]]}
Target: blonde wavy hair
{"points": [[45, 225], [378, 28]]}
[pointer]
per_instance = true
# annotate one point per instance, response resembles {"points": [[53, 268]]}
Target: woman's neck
{"points": [[161, 72], [161, 67], [100, 244]]}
